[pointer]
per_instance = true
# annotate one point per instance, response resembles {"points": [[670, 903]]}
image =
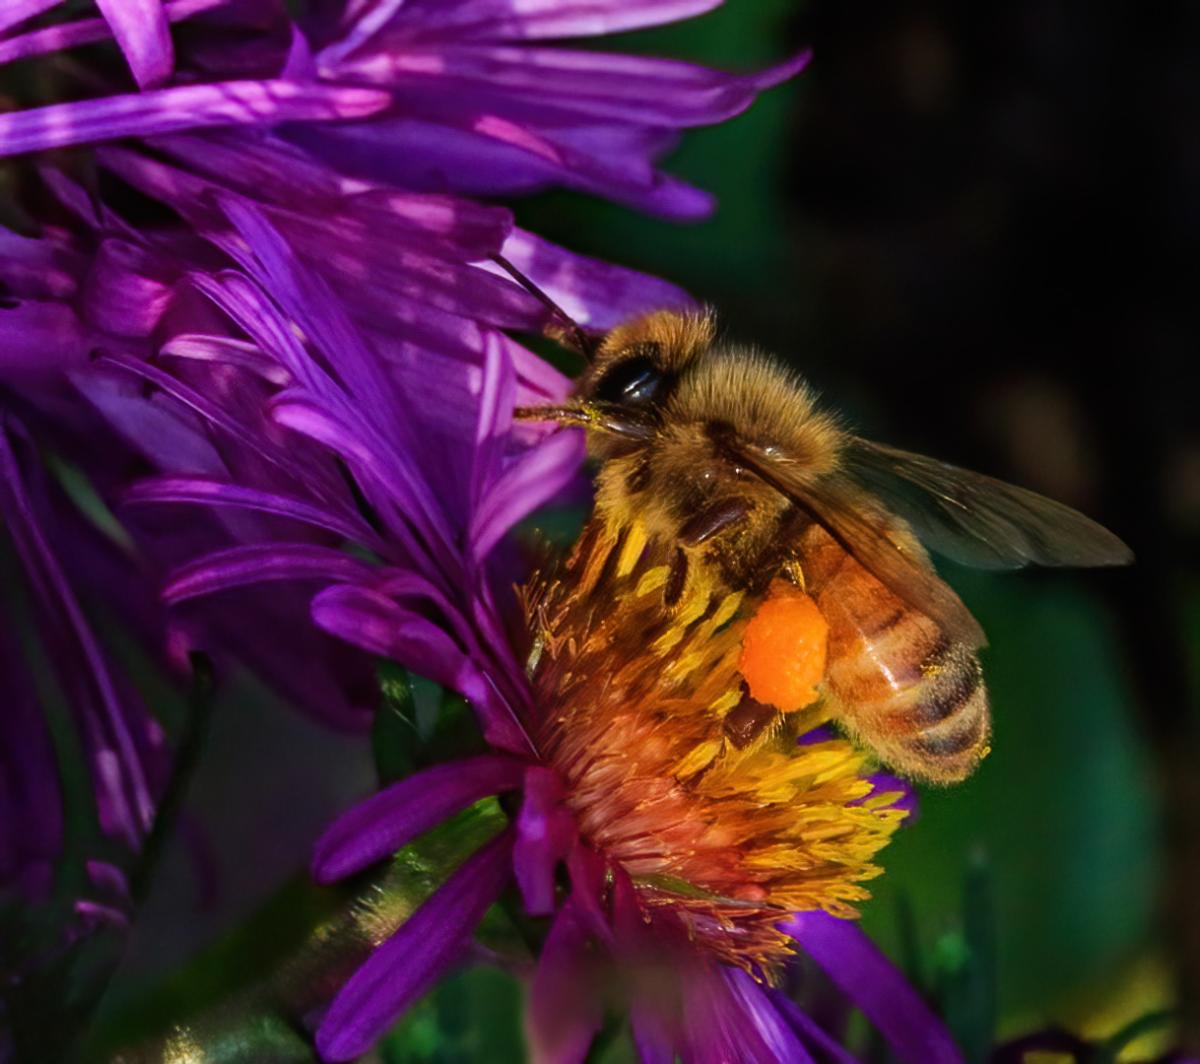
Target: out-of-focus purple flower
{"points": [[459, 96], [50, 655]]}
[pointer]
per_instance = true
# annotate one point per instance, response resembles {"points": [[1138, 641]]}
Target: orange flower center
{"points": [[644, 711]]}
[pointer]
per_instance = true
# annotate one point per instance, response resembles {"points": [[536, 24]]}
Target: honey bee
{"points": [[723, 453]]}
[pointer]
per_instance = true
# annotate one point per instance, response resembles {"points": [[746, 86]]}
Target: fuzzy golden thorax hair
{"points": [[668, 372]]}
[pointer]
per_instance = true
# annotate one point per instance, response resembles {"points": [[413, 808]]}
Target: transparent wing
{"points": [[978, 520], [877, 539]]}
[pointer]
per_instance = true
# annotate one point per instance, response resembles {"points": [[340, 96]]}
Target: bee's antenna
{"points": [[574, 334]]}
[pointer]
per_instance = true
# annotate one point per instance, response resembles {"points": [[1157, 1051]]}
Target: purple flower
{"points": [[130, 339], [133, 344], [306, 347], [681, 853], [424, 590], [457, 96]]}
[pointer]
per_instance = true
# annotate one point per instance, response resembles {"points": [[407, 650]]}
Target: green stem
{"points": [[270, 1019]]}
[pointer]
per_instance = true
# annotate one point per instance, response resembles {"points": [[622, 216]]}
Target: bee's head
{"points": [[638, 364]]}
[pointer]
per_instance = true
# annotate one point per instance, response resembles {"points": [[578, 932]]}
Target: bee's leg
{"points": [[748, 720], [699, 529], [676, 577], [713, 519]]}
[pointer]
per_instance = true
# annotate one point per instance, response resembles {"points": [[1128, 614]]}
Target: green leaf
{"points": [[965, 968], [394, 731], [474, 1015]]}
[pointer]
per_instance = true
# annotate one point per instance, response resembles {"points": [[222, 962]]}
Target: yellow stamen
{"points": [[634, 698]]}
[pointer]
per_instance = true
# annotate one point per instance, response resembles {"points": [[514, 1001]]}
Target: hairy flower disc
{"points": [[641, 708]]}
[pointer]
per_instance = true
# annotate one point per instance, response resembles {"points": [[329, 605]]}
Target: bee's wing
{"points": [[977, 520], [872, 534]]}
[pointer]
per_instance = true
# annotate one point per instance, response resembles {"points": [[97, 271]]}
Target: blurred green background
{"points": [[959, 225]]}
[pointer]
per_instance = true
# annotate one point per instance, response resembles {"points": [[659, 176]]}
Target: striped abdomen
{"points": [[899, 682]]}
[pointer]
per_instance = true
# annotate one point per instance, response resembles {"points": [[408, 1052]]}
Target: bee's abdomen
{"points": [[900, 684]]}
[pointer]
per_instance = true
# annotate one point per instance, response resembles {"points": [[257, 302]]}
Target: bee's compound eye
{"points": [[635, 381]]}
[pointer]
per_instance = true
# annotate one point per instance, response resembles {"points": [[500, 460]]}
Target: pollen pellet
{"points": [[783, 649]]}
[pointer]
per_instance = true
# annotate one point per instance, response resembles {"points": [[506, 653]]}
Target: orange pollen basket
{"points": [[783, 649], [635, 701]]}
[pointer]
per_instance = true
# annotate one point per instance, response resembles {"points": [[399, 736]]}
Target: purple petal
{"points": [[534, 478], [810, 1031], [406, 584], [316, 475], [18, 11], [41, 336], [140, 27], [336, 432], [374, 402], [566, 1002], [121, 407], [300, 65], [118, 760], [364, 27], [374, 220], [37, 267], [250, 307], [757, 1024], [391, 819], [222, 493], [408, 963], [860, 970], [535, 86], [361, 425], [545, 835], [589, 873], [185, 107], [95, 914], [306, 298], [71, 195], [723, 1015], [459, 226], [149, 425], [494, 157], [555, 19], [108, 879], [650, 1035], [904, 795], [260, 562], [125, 292], [377, 624], [189, 194], [592, 292], [31, 815], [495, 413], [84, 31], [225, 349]]}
